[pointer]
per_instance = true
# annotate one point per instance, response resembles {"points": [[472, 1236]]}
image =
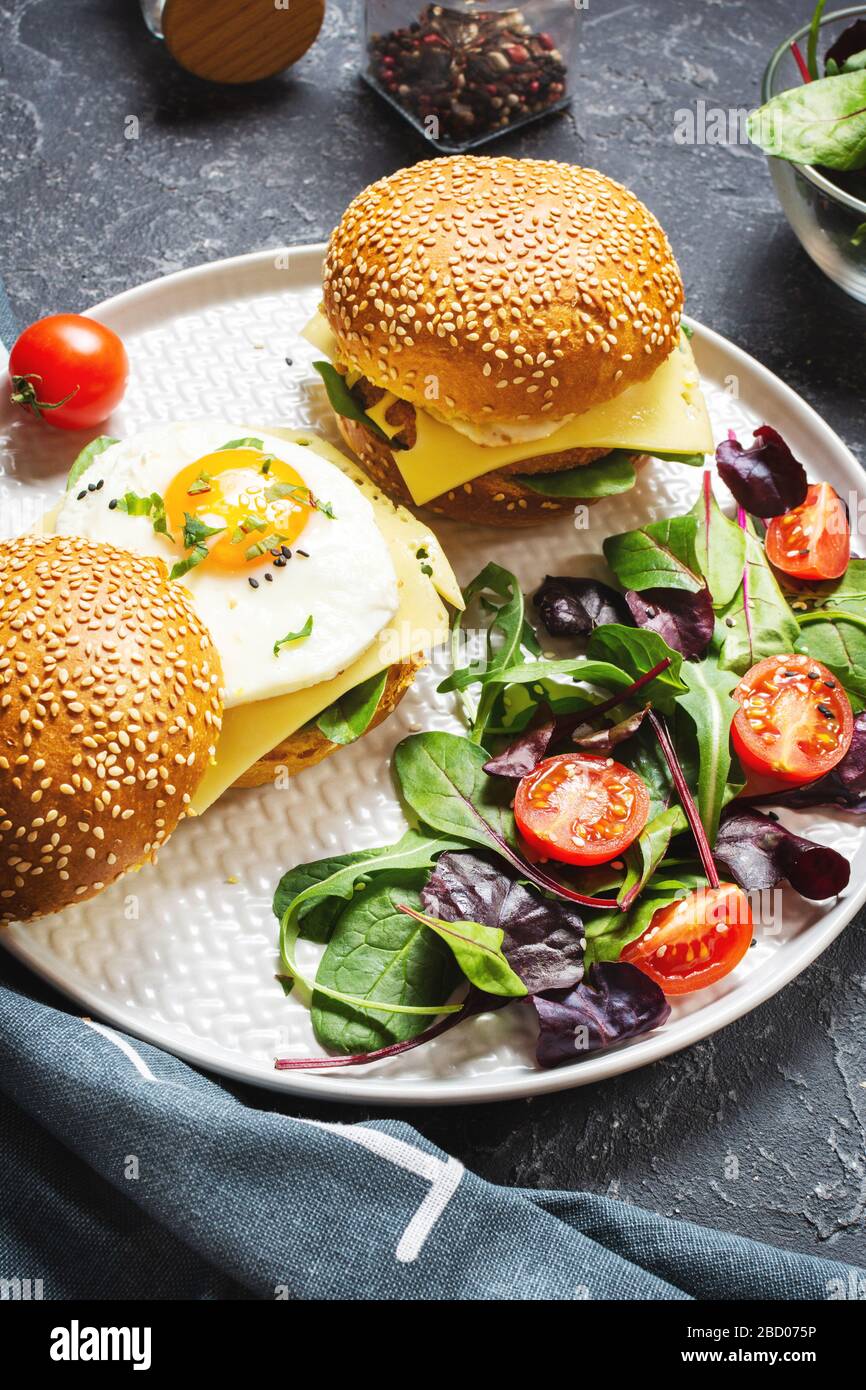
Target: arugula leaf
{"points": [[711, 708], [660, 555], [153, 506], [477, 949], [532, 673], [821, 122], [757, 622], [250, 443], [291, 637], [90, 452], [379, 954], [720, 546], [349, 717], [500, 593], [344, 403], [607, 477]]}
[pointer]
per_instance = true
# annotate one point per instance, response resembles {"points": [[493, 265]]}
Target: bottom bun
{"points": [[499, 498], [309, 745]]}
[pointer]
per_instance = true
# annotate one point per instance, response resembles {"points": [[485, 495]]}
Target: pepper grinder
{"points": [[235, 40]]}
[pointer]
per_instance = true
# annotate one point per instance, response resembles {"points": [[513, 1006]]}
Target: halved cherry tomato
{"points": [[794, 722], [581, 809], [70, 370], [695, 941], [813, 541]]}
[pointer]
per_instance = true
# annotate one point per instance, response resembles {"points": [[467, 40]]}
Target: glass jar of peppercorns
{"points": [[469, 70]]}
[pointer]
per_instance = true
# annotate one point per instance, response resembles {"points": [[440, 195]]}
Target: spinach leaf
{"points": [[837, 637], [637, 650], [379, 954], [643, 858], [720, 546], [498, 592], [90, 452], [349, 717], [606, 477], [442, 778], [822, 122], [477, 949], [757, 622], [344, 403], [711, 708], [321, 887], [660, 555]]}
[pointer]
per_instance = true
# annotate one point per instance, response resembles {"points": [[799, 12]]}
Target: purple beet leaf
{"points": [[685, 621], [766, 479], [542, 937], [850, 42], [573, 607], [615, 1002], [528, 749], [760, 853], [603, 741]]}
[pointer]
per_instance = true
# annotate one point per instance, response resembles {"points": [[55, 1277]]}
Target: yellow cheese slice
{"points": [[420, 624], [666, 414]]}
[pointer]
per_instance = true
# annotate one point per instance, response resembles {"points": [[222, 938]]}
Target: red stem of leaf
{"points": [[801, 62], [567, 723], [686, 798]]}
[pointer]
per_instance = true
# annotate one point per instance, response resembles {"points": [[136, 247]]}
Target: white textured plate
{"points": [[184, 953]]}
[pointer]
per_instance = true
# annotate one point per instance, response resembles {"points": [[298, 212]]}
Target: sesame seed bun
{"points": [[110, 708], [527, 289], [309, 745]]}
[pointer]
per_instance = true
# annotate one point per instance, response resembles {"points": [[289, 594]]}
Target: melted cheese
{"points": [[666, 414], [421, 623]]}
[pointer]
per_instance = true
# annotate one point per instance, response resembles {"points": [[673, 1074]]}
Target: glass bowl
{"points": [[828, 217]]}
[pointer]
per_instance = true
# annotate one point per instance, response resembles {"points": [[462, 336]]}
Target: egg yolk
{"points": [[256, 501]]}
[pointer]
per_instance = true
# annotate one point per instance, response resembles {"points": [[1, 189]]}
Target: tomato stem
{"points": [[24, 394], [686, 798]]}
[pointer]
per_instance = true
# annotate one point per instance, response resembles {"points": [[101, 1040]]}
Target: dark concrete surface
{"points": [[780, 1097]]}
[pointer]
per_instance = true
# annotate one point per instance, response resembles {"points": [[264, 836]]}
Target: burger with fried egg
{"points": [[505, 338]]}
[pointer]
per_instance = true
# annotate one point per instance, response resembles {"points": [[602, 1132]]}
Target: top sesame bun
{"points": [[527, 289], [110, 707]]}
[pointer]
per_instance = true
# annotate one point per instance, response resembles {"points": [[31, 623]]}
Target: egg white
{"points": [[346, 582]]}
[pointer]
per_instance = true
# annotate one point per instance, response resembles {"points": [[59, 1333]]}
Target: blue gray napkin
{"points": [[124, 1173]]}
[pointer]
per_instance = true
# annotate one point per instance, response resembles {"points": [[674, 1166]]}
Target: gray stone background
{"points": [[85, 213]]}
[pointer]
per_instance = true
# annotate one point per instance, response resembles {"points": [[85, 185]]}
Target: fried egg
{"points": [[279, 550]]}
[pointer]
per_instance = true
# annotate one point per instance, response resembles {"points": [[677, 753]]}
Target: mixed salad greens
{"points": [[823, 121], [589, 846]]}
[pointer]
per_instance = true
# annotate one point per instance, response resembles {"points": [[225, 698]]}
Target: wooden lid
{"points": [[240, 40]]}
